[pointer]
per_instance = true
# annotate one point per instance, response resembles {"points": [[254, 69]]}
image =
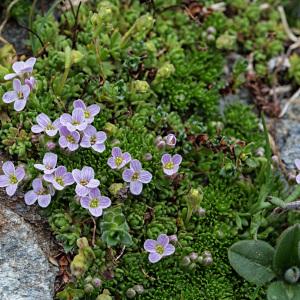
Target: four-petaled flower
{"points": [[158, 249], [46, 125], [93, 139], [89, 112], [39, 193], [297, 163], [49, 163], [19, 95], [95, 203], [68, 139], [60, 178], [118, 159], [85, 180], [74, 122], [11, 177], [171, 163], [136, 176], [21, 68]]}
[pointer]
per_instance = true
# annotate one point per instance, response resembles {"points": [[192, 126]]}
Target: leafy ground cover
{"points": [[153, 74]]}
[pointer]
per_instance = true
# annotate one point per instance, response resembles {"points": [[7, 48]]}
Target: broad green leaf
{"points": [[252, 260], [287, 250], [279, 290]]}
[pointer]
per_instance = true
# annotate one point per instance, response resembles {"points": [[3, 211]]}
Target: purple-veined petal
{"points": [[78, 115], [150, 245], [163, 240], [76, 175], [169, 249], [127, 175], [99, 147], [68, 179], [17, 85], [93, 110], [65, 119], [49, 178], [43, 120], [85, 142], [10, 96], [44, 200], [154, 257], [63, 143], [20, 173], [90, 130], [30, 197], [79, 104], [8, 168], [126, 157], [177, 159], [116, 152], [25, 89], [85, 202], [94, 193], [172, 171], [93, 183], [37, 129], [136, 187], [19, 105], [96, 212], [76, 136], [104, 202], [51, 132], [30, 62], [81, 190], [10, 76], [57, 186], [101, 137], [37, 185], [50, 160], [82, 126], [297, 163], [87, 173], [4, 181], [18, 66], [166, 158], [73, 147], [111, 163], [11, 189], [298, 178], [60, 171], [57, 123], [145, 176], [135, 165]]}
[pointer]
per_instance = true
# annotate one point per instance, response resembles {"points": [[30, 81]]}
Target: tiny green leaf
{"points": [[279, 290], [252, 260], [287, 250]]}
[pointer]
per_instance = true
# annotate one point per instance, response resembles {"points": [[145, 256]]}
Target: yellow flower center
{"points": [[93, 140], [135, 176], [75, 123], [159, 249], [118, 160], [94, 203], [169, 165], [59, 180], [70, 139], [13, 179], [83, 182], [41, 192], [20, 94], [50, 127], [87, 114]]}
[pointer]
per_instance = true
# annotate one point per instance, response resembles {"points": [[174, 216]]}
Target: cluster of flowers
{"points": [[22, 86], [74, 129]]}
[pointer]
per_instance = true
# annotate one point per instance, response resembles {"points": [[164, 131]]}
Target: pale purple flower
{"points": [[11, 177], [49, 163], [136, 176], [21, 67], [170, 140], [118, 159], [74, 122], [297, 163], [39, 193], [46, 125], [19, 95], [171, 163], [89, 112], [95, 203], [159, 248], [85, 180], [68, 139], [93, 139], [60, 178], [31, 82]]}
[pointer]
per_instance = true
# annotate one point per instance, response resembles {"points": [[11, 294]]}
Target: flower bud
{"points": [[97, 282], [193, 256], [201, 212], [192, 266], [76, 56], [275, 159], [292, 275], [51, 146], [170, 140], [165, 71], [139, 289], [173, 238], [161, 145], [144, 23], [88, 288], [211, 30], [207, 261], [185, 261], [260, 151], [206, 254], [88, 279], [131, 293], [115, 188], [140, 86], [210, 37], [147, 156]]}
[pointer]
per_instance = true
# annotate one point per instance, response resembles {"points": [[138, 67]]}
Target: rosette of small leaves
{"points": [[259, 263], [114, 227]]}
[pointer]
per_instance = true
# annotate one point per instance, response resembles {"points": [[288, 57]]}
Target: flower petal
{"points": [[4, 181], [25, 89], [177, 159], [44, 200], [136, 187], [104, 202], [18, 66], [116, 152], [76, 175], [50, 160], [8, 168], [111, 162], [19, 105], [60, 171], [166, 158], [85, 142], [99, 147], [65, 119], [90, 130], [68, 179], [172, 171], [101, 137], [37, 129], [298, 178], [297, 163], [163, 240], [169, 249], [85, 202], [73, 147], [10, 76], [43, 120], [87, 173], [81, 190], [145, 176], [135, 165], [30, 197], [79, 104], [11, 189], [10, 96], [20, 173], [30, 62], [37, 185], [17, 85], [127, 175], [126, 157], [150, 245], [63, 143], [93, 183], [154, 257], [94, 109], [51, 132], [94, 193], [96, 212]]}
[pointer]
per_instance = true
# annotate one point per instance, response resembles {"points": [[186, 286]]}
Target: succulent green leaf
{"points": [[252, 260], [279, 290]]}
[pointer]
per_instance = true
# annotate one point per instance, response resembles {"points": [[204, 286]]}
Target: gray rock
{"points": [[25, 271]]}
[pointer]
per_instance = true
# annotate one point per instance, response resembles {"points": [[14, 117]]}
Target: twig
{"points": [[289, 102], [286, 26], [75, 28], [94, 232], [120, 255]]}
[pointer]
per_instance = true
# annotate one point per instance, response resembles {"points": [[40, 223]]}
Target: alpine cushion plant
{"points": [[11, 178], [46, 125], [19, 95], [95, 202], [136, 177], [39, 193], [171, 163], [118, 159], [159, 248], [60, 178]]}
